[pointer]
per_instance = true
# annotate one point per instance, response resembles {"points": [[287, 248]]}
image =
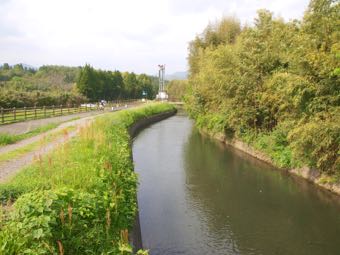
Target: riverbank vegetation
{"points": [[274, 85], [80, 199], [61, 85]]}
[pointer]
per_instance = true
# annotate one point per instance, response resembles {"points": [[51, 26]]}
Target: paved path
{"points": [[11, 167]]}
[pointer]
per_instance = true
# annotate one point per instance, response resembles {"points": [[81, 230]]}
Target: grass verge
{"points": [[9, 139], [35, 145], [81, 198]]}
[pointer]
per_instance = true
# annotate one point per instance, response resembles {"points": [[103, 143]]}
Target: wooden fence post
{"points": [[35, 111], [25, 112], [14, 114], [52, 110], [61, 109], [2, 115], [44, 107]]}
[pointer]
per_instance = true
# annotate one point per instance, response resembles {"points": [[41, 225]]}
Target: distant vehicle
{"points": [[89, 105], [102, 104], [162, 96]]}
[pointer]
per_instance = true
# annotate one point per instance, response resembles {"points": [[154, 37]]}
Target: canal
{"points": [[197, 196]]}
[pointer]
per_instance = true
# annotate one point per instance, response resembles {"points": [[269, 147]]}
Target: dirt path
{"points": [[22, 143], [11, 167], [27, 126]]}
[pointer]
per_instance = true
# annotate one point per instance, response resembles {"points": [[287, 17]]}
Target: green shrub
{"points": [[79, 222], [274, 144], [317, 144]]}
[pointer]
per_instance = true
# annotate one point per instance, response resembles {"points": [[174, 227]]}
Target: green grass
{"points": [[10, 139], [81, 196], [274, 144]]}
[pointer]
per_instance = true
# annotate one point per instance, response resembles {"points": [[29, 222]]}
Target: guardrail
{"points": [[12, 115]]}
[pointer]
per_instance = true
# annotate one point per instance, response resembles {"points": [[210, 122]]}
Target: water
{"points": [[197, 196]]}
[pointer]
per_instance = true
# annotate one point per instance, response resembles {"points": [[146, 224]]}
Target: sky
{"points": [[125, 35]]}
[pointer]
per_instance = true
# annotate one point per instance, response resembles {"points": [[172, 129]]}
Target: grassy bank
{"points": [[80, 199]]}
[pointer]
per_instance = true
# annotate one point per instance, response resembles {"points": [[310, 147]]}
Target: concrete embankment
{"points": [[312, 175], [136, 235]]}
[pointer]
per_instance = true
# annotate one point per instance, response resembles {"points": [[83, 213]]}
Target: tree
{"points": [[145, 86], [118, 85], [130, 85], [5, 66], [18, 68], [177, 89], [279, 80], [86, 83]]}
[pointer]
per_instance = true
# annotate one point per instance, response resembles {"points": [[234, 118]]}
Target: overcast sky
{"points": [[128, 35]]}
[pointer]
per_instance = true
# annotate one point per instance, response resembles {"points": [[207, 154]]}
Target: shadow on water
{"points": [[198, 196]]}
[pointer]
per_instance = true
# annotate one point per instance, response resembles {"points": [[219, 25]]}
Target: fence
{"points": [[12, 115]]}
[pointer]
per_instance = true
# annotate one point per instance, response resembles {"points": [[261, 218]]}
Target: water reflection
{"points": [[199, 197]]}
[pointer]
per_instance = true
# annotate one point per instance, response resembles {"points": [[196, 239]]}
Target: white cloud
{"points": [[126, 35]]}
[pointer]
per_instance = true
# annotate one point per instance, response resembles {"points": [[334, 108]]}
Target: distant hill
{"points": [[29, 66], [177, 76], [25, 66]]}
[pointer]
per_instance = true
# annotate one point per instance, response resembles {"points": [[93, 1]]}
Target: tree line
{"points": [[49, 85], [108, 85], [274, 84], [55, 85]]}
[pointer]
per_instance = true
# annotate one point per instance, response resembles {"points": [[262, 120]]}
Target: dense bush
{"points": [[316, 143], [81, 199], [275, 84]]}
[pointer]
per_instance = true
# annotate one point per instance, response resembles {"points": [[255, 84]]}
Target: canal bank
{"points": [[135, 236], [81, 198], [312, 175]]}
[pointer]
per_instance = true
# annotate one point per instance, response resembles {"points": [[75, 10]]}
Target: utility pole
{"points": [[161, 90], [161, 73]]}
